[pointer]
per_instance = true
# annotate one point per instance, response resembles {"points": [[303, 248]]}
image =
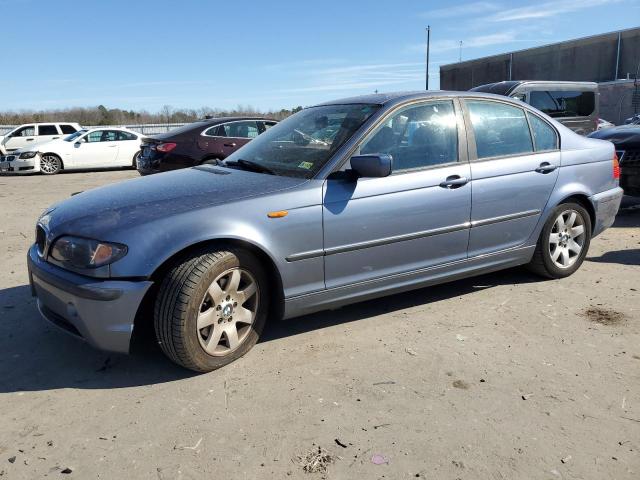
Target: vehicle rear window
{"points": [[47, 130], [67, 129], [499, 129], [564, 104]]}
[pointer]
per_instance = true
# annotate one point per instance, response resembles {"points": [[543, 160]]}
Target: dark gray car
{"points": [[341, 202]]}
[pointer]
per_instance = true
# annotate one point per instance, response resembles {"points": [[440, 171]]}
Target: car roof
{"points": [[399, 97], [216, 120]]}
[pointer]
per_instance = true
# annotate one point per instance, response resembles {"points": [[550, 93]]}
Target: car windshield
{"points": [[303, 143], [73, 136]]}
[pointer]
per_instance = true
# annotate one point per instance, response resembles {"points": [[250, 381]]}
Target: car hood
{"points": [[101, 212], [40, 146], [624, 136]]}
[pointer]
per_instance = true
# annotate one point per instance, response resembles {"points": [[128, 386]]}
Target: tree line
{"points": [[102, 115]]}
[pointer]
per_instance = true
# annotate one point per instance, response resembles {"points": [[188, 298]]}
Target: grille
{"points": [[10, 158], [41, 239]]}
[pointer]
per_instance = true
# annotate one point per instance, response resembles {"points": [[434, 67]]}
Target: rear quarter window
{"points": [[544, 135]]}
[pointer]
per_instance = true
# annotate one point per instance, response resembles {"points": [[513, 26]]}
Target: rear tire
{"points": [[563, 243], [134, 162], [50, 164], [211, 308]]}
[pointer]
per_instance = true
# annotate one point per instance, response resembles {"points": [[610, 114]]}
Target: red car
{"points": [[204, 141]]}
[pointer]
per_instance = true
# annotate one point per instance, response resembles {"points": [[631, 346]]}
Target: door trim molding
{"points": [[408, 236]]}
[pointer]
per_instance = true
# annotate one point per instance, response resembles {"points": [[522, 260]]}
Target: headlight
{"points": [[26, 155], [86, 253]]}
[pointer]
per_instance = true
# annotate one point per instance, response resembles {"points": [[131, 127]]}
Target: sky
{"points": [[144, 54]]}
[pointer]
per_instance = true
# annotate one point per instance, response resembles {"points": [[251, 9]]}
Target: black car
{"points": [[626, 138], [199, 142]]}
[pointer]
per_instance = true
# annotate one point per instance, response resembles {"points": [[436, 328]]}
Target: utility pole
{"points": [[460, 56], [428, 45]]}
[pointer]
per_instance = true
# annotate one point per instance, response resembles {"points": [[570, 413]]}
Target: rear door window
{"points": [[47, 130], [499, 129], [246, 129], [564, 104]]}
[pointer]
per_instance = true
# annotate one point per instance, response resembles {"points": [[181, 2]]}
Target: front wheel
{"points": [[563, 243], [211, 308], [50, 164]]}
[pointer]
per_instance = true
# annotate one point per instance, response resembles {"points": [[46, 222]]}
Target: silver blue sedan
{"points": [[340, 203]]}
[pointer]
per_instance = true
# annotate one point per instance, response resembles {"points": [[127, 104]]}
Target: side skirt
{"points": [[380, 287]]}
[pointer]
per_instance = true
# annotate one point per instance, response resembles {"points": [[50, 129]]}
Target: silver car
{"points": [[342, 202]]}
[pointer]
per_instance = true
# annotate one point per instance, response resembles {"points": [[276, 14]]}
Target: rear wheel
{"points": [[134, 162], [50, 164], [211, 308], [563, 243]]}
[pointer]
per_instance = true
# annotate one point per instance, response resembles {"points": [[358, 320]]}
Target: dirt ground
{"points": [[502, 376]]}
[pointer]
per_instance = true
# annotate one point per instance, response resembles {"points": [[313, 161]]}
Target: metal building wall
{"points": [[591, 59]]}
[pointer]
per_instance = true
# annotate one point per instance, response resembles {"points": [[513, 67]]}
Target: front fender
{"points": [[301, 230]]}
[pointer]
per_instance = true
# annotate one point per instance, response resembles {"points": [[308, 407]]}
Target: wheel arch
{"points": [[584, 201], [143, 323]]}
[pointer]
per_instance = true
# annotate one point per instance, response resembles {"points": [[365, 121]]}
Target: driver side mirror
{"points": [[77, 144], [376, 165]]}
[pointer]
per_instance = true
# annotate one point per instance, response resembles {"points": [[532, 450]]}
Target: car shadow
{"points": [[401, 301], [621, 257], [35, 356]]}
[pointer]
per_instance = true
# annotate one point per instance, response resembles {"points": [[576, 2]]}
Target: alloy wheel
{"points": [[49, 164], [567, 238], [227, 312]]}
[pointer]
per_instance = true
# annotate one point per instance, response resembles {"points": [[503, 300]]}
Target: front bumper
{"points": [[11, 163], [101, 312], [606, 205]]}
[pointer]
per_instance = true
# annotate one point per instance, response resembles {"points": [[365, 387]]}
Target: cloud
{"points": [[464, 9], [360, 77], [546, 9], [478, 41]]}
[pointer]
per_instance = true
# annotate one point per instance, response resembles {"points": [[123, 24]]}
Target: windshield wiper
{"points": [[249, 165]]}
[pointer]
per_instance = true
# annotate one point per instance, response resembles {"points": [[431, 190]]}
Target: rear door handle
{"points": [[546, 167], [55, 138], [29, 139], [229, 144], [454, 181]]}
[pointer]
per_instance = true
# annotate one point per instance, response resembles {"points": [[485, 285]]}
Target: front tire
{"points": [[211, 308], [563, 243], [50, 164]]}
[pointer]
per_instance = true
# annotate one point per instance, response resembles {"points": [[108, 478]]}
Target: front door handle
{"points": [[229, 144], [29, 139], [454, 181], [55, 138], [546, 167]]}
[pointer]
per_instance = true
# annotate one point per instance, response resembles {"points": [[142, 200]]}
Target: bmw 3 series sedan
{"points": [[342, 202]]}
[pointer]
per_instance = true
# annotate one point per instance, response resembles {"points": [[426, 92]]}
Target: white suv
{"points": [[34, 133]]}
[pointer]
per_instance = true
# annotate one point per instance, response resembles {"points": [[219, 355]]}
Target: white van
{"points": [[34, 133]]}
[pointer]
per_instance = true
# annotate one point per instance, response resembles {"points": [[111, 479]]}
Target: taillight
{"points": [[165, 147], [616, 167]]}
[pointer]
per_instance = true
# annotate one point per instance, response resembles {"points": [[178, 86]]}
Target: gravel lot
{"points": [[502, 376]]}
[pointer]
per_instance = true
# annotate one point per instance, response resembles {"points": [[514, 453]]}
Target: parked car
{"points": [[574, 104], [34, 133], [199, 142], [633, 120], [85, 149], [626, 139], [411, 190], [604, 124]]}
